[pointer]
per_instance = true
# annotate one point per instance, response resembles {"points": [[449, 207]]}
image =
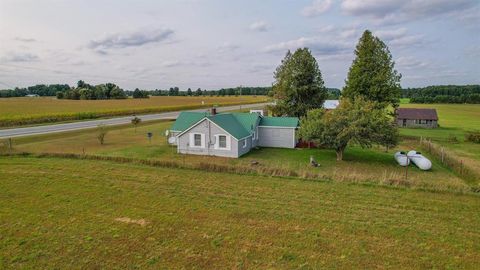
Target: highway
{"points": [[45, 129]]}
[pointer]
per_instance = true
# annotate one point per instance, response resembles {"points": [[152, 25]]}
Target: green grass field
{"points": [[79, 214], [24, 111], [360, 165]]}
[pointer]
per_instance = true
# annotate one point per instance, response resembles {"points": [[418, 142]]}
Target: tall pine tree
{"points": [[298, 86], [372, 74]]}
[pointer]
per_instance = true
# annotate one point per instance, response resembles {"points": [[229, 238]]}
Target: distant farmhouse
{"points": [[231, 134], [413, 117]]}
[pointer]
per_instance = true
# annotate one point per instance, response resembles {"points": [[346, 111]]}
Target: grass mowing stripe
{"points": [[205, 220]]}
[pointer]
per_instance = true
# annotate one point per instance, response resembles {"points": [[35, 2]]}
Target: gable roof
{"points": [[230, 124], [416, 113], [239, 125], [186, 120], [291, 122]]}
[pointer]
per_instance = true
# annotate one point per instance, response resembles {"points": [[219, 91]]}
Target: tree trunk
{"points": [[339, 152]]}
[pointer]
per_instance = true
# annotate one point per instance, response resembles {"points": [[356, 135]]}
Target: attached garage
{"points": [[278, 132]]}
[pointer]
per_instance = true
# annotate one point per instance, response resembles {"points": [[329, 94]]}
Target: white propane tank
{"points": [[401, 158], [418, 159]]}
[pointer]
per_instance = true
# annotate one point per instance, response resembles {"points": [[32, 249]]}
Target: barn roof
{"points": [[417, 113]]}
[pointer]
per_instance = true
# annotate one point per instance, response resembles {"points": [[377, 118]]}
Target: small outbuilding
{"points": [[416, 117]]}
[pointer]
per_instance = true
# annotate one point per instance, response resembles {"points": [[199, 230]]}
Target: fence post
{"points": [[443, 154]]}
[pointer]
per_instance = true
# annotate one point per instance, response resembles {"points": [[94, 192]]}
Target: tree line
{"points": [[39, 89], [112, 91], [443, 94], [87, 91]]}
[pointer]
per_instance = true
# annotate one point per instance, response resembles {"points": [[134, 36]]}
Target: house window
{"points": [[222, 141], [244, 143], [197, 140], [404, 122]]}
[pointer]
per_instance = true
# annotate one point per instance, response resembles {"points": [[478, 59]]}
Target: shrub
{"points": [[102, 132], [452, 138], [473, 136]]}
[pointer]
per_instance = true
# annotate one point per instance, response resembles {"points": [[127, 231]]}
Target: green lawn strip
{"points": [[60, 213]]}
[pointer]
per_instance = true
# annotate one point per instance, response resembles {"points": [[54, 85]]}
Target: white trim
{"points": [[228, 142], [192, 126], [192, 140], [276, 127], [245, 143]]}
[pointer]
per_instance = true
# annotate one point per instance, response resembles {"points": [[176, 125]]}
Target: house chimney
{"points": [[213, 111]]}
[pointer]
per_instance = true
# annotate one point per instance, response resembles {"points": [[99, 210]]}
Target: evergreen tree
{"points": [[372, 74], [189, 92], [298, 86]]}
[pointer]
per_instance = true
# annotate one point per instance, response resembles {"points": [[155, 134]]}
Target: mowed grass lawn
{"points": [[79, 214], [360, 165], [50, 109], [455, 120]]}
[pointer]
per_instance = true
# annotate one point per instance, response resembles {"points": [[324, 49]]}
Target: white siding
{"points": [[276, 137]]}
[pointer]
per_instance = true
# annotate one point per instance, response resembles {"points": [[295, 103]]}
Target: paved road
{"points": [[27, 131]]}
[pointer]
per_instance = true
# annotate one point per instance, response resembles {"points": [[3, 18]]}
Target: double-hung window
{"points": [[197, 140], [222, 141]]}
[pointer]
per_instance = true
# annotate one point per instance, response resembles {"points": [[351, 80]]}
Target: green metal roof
{"points": [[230, 124], [186, 120], [279, 122], [239, 125], [249, 121]]}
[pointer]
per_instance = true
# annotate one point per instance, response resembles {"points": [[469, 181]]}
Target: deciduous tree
{"points": [[359, 121]]}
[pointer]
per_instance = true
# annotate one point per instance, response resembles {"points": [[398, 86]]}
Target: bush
{"points": [[452, 138], [473, 136], [102, 132]]}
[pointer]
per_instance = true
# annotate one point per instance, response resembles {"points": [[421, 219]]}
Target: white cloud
{"points": [[260, 26], [409, 62], [20, 57], [227, 47], [396, 11], [130, 39], [23, 39], [316, 8], [399, 37], [316, 45]]}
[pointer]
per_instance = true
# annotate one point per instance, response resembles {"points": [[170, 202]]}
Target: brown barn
{"points": [[413, 117]]}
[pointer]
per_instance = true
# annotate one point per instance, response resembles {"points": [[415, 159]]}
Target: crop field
{"points": [[61, 213], [20, 111], [360, 165]]}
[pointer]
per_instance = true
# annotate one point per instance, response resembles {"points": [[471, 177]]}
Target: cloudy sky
{"points": [[216, 43]]}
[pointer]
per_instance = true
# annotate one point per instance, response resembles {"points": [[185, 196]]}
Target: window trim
{"points": [[245, 143], [228, 142], [192, 140]]}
